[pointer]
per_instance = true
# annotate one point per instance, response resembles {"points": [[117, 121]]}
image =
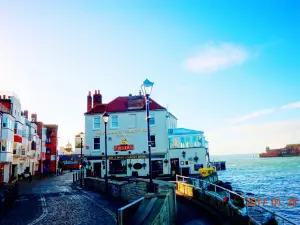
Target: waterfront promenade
{"points": [[57, 201]]}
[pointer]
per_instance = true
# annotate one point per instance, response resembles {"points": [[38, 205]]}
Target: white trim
{"points": [[111, 122], [94, 123]]}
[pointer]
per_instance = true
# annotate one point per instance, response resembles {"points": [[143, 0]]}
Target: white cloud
{"points": [[214, 57], [253, 115], [253, 138], [293, 105]]}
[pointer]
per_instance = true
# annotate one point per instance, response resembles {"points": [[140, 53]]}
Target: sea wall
{"points": [[161, 205]]}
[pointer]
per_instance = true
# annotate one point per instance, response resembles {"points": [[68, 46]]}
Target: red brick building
{"points": [[50, 164]]}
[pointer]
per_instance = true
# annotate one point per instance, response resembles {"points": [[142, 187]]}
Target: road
{"points": [[57, 202]]}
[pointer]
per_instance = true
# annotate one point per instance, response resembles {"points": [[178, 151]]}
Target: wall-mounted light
{"points": [[183, 154]]}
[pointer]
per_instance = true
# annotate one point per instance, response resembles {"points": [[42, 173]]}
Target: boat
{"points": [[288, 151]]}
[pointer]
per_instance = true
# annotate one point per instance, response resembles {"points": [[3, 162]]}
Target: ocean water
{"points": [[267, 177]]}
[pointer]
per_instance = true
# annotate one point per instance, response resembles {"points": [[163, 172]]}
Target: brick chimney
{"points": [[26, 114], [89, 102], [34, 117], [97, 98]]}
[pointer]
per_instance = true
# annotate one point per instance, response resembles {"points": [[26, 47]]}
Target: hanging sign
{"points": [[123, 146]]}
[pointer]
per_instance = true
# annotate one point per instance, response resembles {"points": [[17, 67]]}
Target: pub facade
{"points": [[127, 140]]}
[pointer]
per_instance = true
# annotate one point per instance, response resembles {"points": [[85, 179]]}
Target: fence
{"points": [[257, 213], [126, 213]]}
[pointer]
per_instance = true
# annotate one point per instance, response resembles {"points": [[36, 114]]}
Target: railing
{"points": [[126, 213], [256, 212]]}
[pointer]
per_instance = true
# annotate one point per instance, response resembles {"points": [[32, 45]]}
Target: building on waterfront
{"points": [[51, 161], [7, 138], [22, 140], [127, 141]]}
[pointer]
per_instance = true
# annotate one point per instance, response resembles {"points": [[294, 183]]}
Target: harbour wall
{"points": [[152, 209]]}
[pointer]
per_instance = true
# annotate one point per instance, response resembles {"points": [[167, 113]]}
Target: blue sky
{"points": [[226, 68]]}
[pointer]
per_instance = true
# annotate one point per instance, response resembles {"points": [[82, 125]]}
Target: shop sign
{"points": [[123, 146], [121, 133], [124, 157]]}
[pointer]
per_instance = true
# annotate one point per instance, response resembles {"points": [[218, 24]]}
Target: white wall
{"points": [[134, 133]]}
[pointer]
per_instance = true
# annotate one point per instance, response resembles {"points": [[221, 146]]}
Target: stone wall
{"points": [[165, 211]]}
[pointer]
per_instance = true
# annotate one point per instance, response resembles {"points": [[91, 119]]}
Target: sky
{"points": [[228, 68]]}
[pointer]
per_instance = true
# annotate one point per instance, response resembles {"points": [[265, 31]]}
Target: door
{"points": [[174, 167], [97, 169]]}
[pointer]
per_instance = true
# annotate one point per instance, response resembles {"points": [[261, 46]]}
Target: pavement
{"points": [[57, 201]]}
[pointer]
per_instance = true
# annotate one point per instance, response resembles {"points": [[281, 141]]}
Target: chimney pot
{"points": [[95, 92], [4, 96], [0, 97], [89, 93], [98, 92]]}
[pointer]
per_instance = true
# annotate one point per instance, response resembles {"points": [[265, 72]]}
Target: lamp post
{"points": [[105, 118], [81, 158], [147, 88]]}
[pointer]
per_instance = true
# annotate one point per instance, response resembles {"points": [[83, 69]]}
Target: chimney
{"points": [[4, 96], [34, 118], [89, 102], [140, 92], [0, 97], [97, 98], [26, 114]]}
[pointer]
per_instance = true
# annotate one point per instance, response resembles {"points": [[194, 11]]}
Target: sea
{"points": [[270, 178]]}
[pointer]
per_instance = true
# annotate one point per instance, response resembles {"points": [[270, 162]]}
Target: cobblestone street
{"points": [[57, 201]]}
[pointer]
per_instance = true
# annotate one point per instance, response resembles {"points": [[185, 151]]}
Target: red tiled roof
{"points": [[120, 104]]}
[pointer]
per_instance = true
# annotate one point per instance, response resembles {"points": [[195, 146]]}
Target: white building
{"points": [[7, 141], [127, 139]]}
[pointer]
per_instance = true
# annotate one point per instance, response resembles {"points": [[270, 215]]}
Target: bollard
{"points": [[73, 177], [76, 176]]}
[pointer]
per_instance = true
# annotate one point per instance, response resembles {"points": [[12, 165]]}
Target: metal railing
{"points": [[127, 212], [257, 213]]}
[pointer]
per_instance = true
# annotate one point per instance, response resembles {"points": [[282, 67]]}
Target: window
{"points": [[97, 122], [152, 119], [182, 142], [114, 121], [118, 166], [157, 167], [152, 138], [171, 143], [3, 145], [175, 142], [132, 121], [5, 122], [187, 141], [96, 143]]}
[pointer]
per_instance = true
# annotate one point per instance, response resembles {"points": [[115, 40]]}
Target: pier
{"points": [[220, 165]]}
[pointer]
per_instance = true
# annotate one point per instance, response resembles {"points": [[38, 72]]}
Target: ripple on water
{"points": [[267, 177]]}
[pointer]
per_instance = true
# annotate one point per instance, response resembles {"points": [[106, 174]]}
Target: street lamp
{"points": [[147, 89], [81, 158], [105, 118]]}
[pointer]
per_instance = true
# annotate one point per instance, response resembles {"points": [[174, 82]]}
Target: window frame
{"points": [[152, 118], [112, 122], [96, 128], [98, 143], [153, 145]]}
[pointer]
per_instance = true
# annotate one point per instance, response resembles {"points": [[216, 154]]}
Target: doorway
{"points": [[175, 166], [97, 169]]}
